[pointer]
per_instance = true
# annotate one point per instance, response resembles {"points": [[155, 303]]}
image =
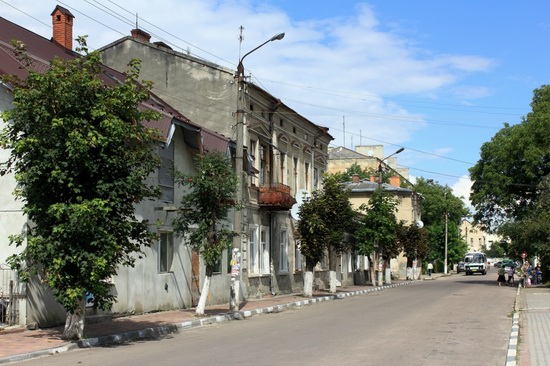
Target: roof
{"points": [[41, 51], [365, 185], [340, 152]]}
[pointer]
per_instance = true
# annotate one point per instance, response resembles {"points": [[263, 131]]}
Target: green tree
{"points": [[324, 220], [509, 188], [203, 211], [439, 204], [80, 156], [414, 241], [377, 230], [355, 169]]}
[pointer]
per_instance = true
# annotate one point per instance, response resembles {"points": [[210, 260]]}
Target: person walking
{"points": [[501, 279], [511, 272], [430, 268]]}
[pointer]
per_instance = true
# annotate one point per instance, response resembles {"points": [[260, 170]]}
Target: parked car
{"points": [[460, 267], [498, 264], [507, 263]]}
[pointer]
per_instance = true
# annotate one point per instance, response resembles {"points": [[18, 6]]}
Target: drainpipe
{"points": [[271, 269]]}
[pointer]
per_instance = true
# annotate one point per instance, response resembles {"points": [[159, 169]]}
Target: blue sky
{"points": [[438, 78]]}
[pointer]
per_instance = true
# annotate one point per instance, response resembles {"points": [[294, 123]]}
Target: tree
{"points": [[80, 155], [355, 169], [324, 220], [203, 210], [510, 181], [378, 229], [511, 165], [438, 204], [413, 240]]}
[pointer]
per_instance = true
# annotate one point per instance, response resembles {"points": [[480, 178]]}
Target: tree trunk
{"points": [[308, 279], [204, 295], [74, 323], [372, 262], [333, 263]]}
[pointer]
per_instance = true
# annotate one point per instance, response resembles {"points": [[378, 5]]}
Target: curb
{"points": [[511, 353], [155, 332]]}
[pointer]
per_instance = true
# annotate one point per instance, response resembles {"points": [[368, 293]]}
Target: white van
{"points": [[475, 263]]}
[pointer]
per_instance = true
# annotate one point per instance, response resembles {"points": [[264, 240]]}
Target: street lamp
{"points": [[238, 219], [380, 266]]}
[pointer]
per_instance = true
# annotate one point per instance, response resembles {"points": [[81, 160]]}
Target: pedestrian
{"points": [[430, 268], [538, 275], [511, 275], [525, 270], [501, 279]]}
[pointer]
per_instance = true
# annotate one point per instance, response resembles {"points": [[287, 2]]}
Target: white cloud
{"points": [[462, 189]]}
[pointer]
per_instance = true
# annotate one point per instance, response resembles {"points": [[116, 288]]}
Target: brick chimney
{"points": [[62, 21], [355, 178], [140, 35], [395, 181]]}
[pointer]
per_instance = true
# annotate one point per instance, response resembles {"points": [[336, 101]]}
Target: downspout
{"points": [[271, 268]]}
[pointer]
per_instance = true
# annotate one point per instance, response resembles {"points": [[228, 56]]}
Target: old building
{"points": [[163, 279], [284, 153]]}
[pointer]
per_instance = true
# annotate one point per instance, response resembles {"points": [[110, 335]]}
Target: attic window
{"points": [[58, 18], [251, 107], [281, 122], [294, 130]]}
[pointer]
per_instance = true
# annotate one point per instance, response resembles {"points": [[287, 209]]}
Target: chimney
{"points": [[395, 181], [62, 21], [373, 178], [140, 35], [355, 178]]}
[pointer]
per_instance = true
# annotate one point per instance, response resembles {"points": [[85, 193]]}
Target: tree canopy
{"points": [[204, 208], [510, 188], [80, 157], [324, 219]]}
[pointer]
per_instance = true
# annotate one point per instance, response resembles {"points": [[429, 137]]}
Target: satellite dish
{"points": [[420, 224], [294, 211], [302, 195]]}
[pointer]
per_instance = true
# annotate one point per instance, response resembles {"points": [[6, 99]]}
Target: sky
{"points": [[438, 78]]}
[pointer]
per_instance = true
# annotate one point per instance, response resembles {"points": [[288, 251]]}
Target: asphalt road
{"points": [[456, 320]]}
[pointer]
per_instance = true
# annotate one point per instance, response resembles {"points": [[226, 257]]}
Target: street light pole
{"points": [[239, 164], [446, 239], [380, 264]]}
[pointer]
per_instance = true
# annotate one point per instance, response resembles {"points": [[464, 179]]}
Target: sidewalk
{"points": [[533, 314], [18, 345]]}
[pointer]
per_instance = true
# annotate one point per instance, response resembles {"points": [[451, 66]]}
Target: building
{"points": [[286, 152], [163, 279], [369, 157]]}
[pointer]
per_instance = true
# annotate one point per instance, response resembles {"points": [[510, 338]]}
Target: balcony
{"points": [[275, 196]]}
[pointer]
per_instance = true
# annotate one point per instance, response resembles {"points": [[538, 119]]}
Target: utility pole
{"points": [[239, 164], [380, 258]]}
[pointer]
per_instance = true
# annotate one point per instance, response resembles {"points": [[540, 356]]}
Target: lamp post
{"points": [[446, 232], [380, 265], [239, 164]]}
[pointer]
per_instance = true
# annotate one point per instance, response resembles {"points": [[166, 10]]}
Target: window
{"points": [[297, 257], [315, 178], [306, 175], [166, 252], [264, 251], [263, 165], [258, 250], [282, 178], [165, 173], [253, 260], [295, 174], [283, 251]]}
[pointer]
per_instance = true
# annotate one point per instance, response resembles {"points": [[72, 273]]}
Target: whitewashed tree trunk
{"points": [[373, 270], [74, 323], [308, 284], [332, 281], [204, 296]]}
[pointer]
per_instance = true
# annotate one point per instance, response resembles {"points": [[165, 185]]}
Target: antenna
{"points": [[241, 38], [344, 124], [137, 21]]}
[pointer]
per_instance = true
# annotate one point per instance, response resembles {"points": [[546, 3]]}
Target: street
{"points": [[453, 320]]}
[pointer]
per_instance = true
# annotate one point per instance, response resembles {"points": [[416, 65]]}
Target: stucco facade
{"points": [[286, 154]]}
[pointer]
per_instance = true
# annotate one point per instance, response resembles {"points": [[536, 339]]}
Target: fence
{"points": [[9, 296]]}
